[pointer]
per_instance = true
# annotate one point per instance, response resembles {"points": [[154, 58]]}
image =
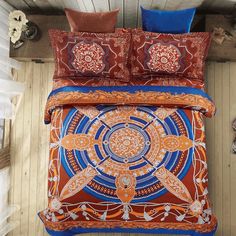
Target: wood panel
{"points": [[172, 4], [130, 13], [20, 4], [101, 5], [147, 4], [232, 158], [120, 5], [40, 49], [218, 6], [29, 149], [27, 5], [226, 51], [221, 161], [57, 6]]}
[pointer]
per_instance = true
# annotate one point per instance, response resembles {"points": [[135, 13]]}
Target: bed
{"points": [[127, 155]]}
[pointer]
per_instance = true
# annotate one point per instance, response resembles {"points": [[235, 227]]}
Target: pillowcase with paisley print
{"points": [[81, 54], [169, 54]]}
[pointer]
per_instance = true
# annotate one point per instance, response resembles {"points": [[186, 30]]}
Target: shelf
{"points": [[226, 51], [40, 50]]}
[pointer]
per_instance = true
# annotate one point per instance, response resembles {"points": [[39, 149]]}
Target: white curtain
{"points": [[6, 210], [8, 87], [8, 90]]}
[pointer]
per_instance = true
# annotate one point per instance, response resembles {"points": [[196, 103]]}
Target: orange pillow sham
{"points": [[94, 22]]}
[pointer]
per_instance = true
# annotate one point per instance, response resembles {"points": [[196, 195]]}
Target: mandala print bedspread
{"points": [[136, 167]]}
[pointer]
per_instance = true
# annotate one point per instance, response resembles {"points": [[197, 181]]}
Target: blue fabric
{"points": [[75, 231], [175, 22], [133, 89]]}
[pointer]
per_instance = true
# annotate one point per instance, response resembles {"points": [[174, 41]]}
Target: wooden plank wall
{"points": [[57, 6], [103, 5], [129, 15], [29, 148]]}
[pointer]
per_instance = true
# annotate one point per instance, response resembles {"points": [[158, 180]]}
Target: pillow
{"points": [[97, 22], [175, 22], [169, 54], [91, 54]]}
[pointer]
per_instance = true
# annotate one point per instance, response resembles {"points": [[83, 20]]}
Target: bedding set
{"points": [[127, 139]]}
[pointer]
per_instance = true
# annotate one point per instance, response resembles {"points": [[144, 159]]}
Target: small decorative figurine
{"points": [[219, 35]]}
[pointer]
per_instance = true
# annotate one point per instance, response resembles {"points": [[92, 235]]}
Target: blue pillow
{"points": [[174, 22]]}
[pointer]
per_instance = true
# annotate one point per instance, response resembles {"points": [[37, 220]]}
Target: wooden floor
{"points": [[29, 148], [221, 78]]}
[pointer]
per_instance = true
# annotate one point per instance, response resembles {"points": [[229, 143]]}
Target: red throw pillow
{"points": [[91, 54], [169, 54], [95, 22]]}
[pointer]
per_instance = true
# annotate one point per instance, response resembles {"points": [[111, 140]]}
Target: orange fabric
{"points": [[59, 82], [160, 54], [96, 22], [78, 136], [91, 54]]}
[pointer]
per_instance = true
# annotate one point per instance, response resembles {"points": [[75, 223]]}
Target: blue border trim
{"points": [[133, 89], [128, 230]]}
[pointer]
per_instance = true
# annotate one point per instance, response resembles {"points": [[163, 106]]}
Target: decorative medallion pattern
{"points": [[164, 58], [177, 55], [88, 57], [126, 142], [84, 54]]}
